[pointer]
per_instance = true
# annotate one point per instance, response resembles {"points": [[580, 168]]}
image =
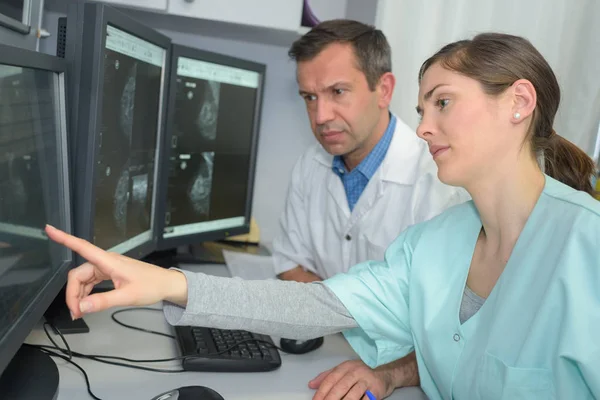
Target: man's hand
{"points": [[351, 379], [299, 274]]}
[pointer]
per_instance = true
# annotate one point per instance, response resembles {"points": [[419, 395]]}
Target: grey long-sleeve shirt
{"points": [[279, 308]]}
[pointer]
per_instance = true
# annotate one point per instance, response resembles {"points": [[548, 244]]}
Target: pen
{"points": [[370, 395]]}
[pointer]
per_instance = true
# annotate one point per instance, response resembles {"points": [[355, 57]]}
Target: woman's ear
{"points": [[524, 100]]}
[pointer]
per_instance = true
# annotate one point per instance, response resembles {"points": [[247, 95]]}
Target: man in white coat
{"points": [[370, 176], [368, 179]]}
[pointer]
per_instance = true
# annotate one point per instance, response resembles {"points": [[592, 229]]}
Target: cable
{"points": [[68, 354], [173, 337], [114, 318], [53, 354]]}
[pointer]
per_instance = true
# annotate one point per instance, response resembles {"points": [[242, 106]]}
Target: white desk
{"points": [[289, 382]]}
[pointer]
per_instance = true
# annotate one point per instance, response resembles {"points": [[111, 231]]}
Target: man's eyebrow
{"points": [[333, 85]]}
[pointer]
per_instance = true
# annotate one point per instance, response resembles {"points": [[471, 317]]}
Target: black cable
{"points": [[53, 354], [173, 337], [68, 354], [113, 316]]}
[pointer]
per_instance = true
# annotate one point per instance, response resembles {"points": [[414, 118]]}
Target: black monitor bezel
{"points": [[87, 41], [179, 50], [15, 336]]}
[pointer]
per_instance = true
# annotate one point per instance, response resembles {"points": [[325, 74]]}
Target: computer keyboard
{"points": [[221, 350]]}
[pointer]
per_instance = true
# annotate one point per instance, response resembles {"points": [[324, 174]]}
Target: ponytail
{"points": [[566, 162]]}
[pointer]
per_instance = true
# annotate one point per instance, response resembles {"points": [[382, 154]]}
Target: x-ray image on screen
{"points": [[199, 102], [191, 177], [211, 144], [128, 101], [207, 117], [120, 200], [199, 192], [128, 139]]}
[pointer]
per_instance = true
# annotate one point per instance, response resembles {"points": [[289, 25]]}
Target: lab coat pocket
{"points": [[499, 381], [375, 252]]}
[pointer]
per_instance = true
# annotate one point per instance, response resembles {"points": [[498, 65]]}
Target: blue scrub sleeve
{"points": [[376, 295]]}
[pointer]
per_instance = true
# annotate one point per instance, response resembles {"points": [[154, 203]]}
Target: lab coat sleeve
{"points": [[292, 245], [376, 295]]}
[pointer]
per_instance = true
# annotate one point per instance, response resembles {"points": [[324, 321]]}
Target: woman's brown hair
{"points": [[496, 61]]}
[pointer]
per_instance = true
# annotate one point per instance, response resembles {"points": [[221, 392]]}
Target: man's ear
{"points": [[385, 89]]}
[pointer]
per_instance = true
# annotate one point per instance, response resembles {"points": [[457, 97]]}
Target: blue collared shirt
{"points": [[356, 180]]}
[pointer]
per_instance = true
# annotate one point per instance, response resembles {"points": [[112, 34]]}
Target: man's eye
{"points": [[310, 97], [339, 91]]}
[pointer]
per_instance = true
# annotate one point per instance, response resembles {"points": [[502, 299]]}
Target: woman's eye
{"points": [[442, 103]]}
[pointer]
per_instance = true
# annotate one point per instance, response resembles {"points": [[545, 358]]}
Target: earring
{"points": [[517, 115]]}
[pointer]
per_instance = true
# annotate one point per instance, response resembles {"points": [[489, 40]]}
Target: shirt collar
{"points": [[407, 150], [373, 160]]}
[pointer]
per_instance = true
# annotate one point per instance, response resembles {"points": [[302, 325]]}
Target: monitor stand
{"points": [[59, 316], [30, 375], [203, 253], [212, 252]]}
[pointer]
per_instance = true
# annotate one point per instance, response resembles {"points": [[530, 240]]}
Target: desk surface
{"points": [[112, 382]]}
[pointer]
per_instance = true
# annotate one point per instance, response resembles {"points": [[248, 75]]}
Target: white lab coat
{"points": [[319, 232]]}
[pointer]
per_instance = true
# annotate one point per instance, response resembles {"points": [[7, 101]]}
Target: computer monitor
{"points": [[34, 190], [210, 147], [118, 71]]}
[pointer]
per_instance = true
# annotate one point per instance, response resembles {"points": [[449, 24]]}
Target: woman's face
{"points": [[467, 130]]}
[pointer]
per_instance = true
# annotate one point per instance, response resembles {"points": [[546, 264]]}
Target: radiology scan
{"points": [[190, 182], [210, 144], [127, 144], [207, 117]]}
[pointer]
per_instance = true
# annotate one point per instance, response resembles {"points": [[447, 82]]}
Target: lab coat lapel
{"points": [[338, 194], [399, 167]]}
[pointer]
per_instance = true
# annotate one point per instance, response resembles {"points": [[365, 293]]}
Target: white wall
{"points": [[566, 32], [328, 9]]}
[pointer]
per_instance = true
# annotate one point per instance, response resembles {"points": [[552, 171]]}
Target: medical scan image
{"points": [[121, 198], [210, 147], [127, 102], [207, 117], [199, 191], [127, 149]]}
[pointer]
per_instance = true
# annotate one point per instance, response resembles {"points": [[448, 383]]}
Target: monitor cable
{"points": [[67, 354]]}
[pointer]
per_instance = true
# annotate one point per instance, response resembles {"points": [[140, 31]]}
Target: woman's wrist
{"points": [[175, 287]]}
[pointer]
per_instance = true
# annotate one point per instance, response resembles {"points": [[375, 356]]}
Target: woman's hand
{"points": [[136, 283]]}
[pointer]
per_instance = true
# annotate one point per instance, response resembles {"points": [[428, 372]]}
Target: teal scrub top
{"points": [[537, 336]]}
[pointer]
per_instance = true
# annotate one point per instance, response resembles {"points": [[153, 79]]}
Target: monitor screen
{"points": [[211, 147], [127, 148], [32, 191]]}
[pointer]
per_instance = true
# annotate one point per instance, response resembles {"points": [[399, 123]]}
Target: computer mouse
{"points": [[300, 346], [190, 393]]}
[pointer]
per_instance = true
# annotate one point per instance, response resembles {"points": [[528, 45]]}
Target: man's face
{"points": [[342, 109]]}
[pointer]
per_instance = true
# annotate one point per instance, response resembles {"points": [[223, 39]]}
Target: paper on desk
{"points": [[249, 266]]}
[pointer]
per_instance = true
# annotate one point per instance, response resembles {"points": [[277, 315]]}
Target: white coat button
{"points": [[348, 237], [456, 337]]}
